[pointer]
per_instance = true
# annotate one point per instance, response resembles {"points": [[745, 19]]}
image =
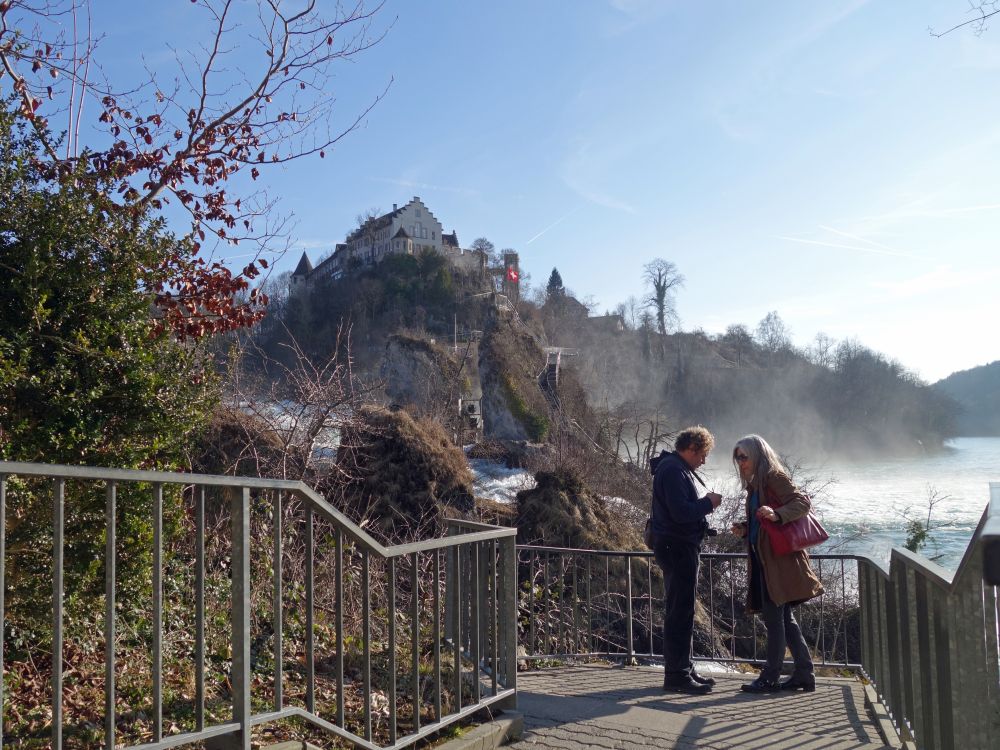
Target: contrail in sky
{"points": [[850, 247], [859, 239], [555, 223]]}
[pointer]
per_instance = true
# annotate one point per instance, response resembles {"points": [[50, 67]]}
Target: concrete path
{"points": [[615, 707]]}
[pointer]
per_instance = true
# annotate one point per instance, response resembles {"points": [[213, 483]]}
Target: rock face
{"points": [[499, 423], [514, 407], [419, 374]]}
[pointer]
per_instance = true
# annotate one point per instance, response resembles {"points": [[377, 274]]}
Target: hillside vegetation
{"points": [[623, 387], [978, 393]]}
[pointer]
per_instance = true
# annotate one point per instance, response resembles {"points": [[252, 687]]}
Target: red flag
{"points": [[512, 274]]}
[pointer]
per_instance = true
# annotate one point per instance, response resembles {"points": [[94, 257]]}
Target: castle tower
{"points": [[300, 276], [511, 277]]}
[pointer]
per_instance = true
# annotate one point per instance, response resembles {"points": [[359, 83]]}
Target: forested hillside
{"points": [[978, 393], [639, 382], [845, 399]]}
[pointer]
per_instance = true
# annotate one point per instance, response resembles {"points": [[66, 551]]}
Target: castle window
{"points": [[418, 212]]}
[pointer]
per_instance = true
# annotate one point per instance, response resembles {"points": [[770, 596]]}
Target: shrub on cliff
{"points": [[560, 511], [404, 473]]}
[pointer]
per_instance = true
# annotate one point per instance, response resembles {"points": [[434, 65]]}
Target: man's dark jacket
{"points": [[678, 513]]}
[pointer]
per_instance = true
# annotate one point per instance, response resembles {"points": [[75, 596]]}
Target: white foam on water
{"points": [[496, 481]]}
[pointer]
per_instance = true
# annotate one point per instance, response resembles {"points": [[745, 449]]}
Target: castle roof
{"points": [[401, 235], [304, 266], [375, 223]]}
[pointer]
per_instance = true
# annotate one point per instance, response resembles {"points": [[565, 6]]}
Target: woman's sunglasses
{"points": [[741, 457]]}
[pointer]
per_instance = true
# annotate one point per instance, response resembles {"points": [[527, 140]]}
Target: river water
{"points": [[863, 504]]}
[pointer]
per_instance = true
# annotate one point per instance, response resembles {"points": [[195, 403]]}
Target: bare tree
{"points": [[980, 11], [488, 249], [185, 138], [738, 337], [631, 312], [302, 405], [366, 231], [821, 351], [773, 335], [663, 277], [920, 529]]}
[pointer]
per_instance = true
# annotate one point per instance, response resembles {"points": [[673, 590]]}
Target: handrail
{"points": [[931, 641], [991, 539], [16, 468], [459, 593]]}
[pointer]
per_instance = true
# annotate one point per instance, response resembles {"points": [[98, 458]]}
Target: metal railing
{"points": [[931, 643], [928, 641], [434, 640], [587, 603]]}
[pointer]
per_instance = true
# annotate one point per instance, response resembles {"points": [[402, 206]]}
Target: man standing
{"points": [[679, 526]]}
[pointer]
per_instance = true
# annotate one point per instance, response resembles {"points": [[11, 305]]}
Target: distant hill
{"points": [[978, 392]]}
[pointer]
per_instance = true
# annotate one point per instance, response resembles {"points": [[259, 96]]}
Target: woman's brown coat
{"points": [[789, 578]]}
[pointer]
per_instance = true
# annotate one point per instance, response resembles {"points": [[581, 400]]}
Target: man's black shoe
{"points": [[685, 685], [760, 685], [710, 681], [805, 684]]}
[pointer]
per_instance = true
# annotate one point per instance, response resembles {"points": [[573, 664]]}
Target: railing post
{"points": [[157, 612], [3, 585], [628, 610], [241, 615], [109, 618], [58, 518], [507, 618], [450, 597]]}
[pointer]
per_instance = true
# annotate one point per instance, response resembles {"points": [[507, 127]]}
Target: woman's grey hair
{"points": [[763, 459]]}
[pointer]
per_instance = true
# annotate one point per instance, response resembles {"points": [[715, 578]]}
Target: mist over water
{"points": [[863, 505], [863, 502]]}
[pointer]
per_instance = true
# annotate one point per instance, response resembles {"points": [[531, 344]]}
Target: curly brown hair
{"points": [[697, 437]]}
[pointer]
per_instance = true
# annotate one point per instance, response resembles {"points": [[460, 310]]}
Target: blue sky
{"points": [[832, 161]]}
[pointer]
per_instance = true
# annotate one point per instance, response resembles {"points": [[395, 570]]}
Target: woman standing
{"points": [[776, 583]]}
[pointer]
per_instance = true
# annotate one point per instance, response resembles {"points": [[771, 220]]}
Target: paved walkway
{"points": [[615, 707]]}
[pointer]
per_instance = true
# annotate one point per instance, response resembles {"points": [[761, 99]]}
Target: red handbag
{"points": [[795, 536]]}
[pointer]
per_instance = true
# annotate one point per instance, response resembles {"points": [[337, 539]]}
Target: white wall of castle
{"points": [[420, 224]]}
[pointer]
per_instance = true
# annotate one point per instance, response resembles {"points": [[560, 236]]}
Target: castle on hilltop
{"points": [[408, 230]]}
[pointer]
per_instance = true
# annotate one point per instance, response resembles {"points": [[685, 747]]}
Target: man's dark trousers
{"points": [[679, 561]]}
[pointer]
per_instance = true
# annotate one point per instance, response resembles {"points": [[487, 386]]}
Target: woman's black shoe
{"points": [[710, 681], [805, 684], [760, 685]]}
